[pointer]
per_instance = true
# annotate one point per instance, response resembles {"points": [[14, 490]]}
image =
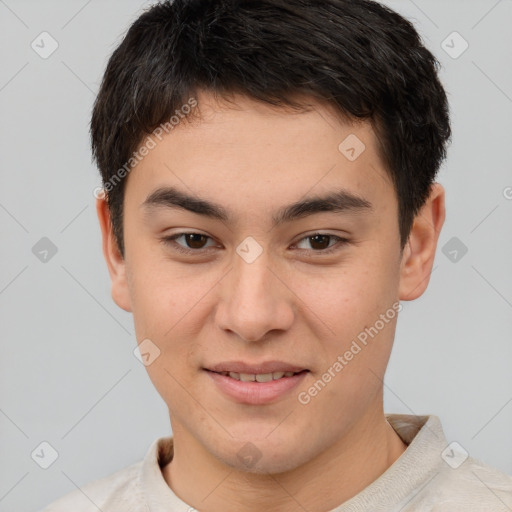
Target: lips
{"points": [[258, 377], [258, 383], [242, 367], [263, 391]]}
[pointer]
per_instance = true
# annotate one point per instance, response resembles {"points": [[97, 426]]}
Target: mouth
{"points": [[258, 377], [257, 384]]}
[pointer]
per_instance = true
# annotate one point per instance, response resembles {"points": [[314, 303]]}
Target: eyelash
{"points": [[171, 240]]}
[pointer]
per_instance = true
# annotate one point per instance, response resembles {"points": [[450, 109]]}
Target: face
{"points": [[255, 278]]}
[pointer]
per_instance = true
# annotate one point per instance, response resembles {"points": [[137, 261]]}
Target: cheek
{"points": [[167, 310], [162, 294], [344, 299], [353, 314], [170, 308]]}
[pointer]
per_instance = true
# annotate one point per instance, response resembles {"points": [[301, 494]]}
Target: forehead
{"points": [[254, 158]]}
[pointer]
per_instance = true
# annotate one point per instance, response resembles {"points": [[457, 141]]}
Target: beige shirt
{"points": [[431, 475]]}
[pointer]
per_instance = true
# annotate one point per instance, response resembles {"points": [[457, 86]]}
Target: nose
{"points": [[255, 299]]}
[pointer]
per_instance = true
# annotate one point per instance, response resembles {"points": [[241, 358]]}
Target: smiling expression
{"points": [[254, 245]]}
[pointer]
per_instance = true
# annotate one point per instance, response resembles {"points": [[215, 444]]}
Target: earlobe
{"points": [[116, 264], [419, 252]]}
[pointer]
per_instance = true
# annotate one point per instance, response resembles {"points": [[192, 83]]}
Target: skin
{"points": [[291, 304]]}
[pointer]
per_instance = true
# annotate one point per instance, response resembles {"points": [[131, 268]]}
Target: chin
{"points": [[261, 456], [266, 465]]}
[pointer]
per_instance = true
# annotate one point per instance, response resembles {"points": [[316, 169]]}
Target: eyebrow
{"points": [[341, 201]]}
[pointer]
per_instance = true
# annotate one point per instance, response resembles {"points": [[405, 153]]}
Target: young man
{"points": [[269, 174]]}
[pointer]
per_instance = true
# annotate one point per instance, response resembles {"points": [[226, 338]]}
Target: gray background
{"points": [[67, 370]]}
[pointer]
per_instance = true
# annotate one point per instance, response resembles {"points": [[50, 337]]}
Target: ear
{"points": [[420, 249], [115, 262]]}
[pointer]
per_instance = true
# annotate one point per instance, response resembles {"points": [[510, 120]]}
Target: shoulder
{"points": [[117, 492], [472, 487]]}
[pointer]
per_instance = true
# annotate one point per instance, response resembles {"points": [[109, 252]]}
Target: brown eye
{"points": [[193, 242], [321, 243]]}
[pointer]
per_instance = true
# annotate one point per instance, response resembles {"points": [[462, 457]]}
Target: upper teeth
{"points": [[259, 377]]}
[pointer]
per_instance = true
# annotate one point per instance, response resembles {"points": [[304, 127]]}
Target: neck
{"points": [[324, 483]]}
